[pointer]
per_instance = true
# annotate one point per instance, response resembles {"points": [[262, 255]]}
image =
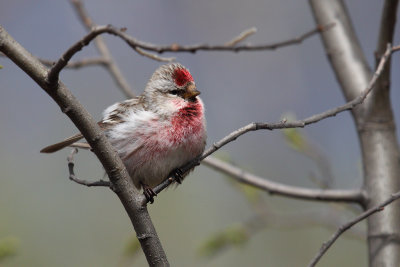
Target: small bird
{"points": [[156, 132]]}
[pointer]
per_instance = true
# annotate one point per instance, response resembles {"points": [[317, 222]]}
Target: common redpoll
{"points": [[156, 132]]}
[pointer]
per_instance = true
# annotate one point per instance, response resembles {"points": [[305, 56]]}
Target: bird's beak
{"points": [[191, 92]]}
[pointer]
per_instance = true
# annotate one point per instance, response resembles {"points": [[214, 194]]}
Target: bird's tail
{"points": [[67, 142]]}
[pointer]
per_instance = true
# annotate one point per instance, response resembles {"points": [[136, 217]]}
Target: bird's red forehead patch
{"points": [[182, 76]]}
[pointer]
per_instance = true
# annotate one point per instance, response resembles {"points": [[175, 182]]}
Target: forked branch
{"points": [[102, 47], [140, 46], [350, 224], [73, 177]]}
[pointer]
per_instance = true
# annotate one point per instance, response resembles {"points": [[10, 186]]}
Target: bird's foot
{"points": [[149, 193], [178, 175]]}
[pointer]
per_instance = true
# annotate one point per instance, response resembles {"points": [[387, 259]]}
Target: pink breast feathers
{"points": [[186, 131], [188, 123]]}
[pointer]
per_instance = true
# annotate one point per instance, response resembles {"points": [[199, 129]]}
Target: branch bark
{"points": [[123, 186], [73, 177], [374, 122], [350, 224], [355, 196]]}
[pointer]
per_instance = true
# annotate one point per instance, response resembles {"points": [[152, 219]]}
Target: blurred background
{"points": [[47, 220]]}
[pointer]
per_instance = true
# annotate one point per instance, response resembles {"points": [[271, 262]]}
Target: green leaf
{"points": [[234, 235], [251, 193], [8, 247], [293, 137], [132, 247]]}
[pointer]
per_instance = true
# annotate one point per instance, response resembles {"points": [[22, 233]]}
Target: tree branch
{"points": [[342, 47], [350, 224], [274, 188], [74, 64], [79, 63], [153, 56], [387, 26], [241, 37], [225, 47], [388, 20], [55, 70], [72, 176], [123, 186], [310, 120], [112, 67], [135, 44], [374, 121]]}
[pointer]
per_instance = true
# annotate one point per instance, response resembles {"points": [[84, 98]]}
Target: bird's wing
{"points": [[70, 140], [112, 115], [118, 112]]}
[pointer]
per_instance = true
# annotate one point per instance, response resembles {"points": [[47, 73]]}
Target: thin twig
{"points": [[134, 43], [254, 126], [225, 47], [53, 74], [307, 121], [395, 48], [387, 26], [103, 49], [348, 225], [113, 68], [81, 145], [274, 188], [86, 62], [241, 37], [79, 63], [153, 56], [72, 176]]}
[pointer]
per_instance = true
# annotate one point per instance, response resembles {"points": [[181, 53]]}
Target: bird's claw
{"points": [[178, 175], [149, 193]]}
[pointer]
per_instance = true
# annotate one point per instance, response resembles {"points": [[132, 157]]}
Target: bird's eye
{"points": [[174, 92]]}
